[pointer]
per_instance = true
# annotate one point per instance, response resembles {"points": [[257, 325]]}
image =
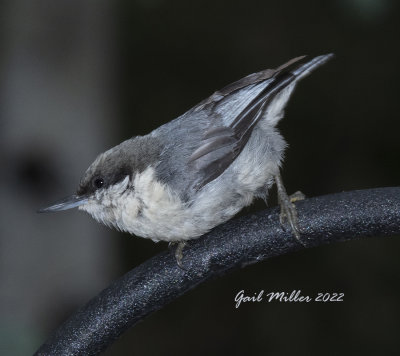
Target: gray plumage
{"points": [[200, 169]]}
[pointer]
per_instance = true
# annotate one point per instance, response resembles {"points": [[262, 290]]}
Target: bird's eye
{"points": [[98, 182]]}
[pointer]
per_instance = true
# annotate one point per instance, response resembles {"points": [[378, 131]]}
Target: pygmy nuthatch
{"points": [[199, 170]]}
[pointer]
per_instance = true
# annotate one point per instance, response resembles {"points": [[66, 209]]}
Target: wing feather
{"points": [[245, 101]]}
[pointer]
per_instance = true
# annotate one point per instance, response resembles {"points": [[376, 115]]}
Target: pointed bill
{"points": [[70, 202]]}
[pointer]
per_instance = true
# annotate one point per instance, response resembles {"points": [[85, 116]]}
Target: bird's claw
{"points": [[289, 213], [297, 196], [288, 209], [178, 252]]}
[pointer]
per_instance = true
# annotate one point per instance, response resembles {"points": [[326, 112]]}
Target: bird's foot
{"points": [[297, 196], [288, 209], [178, 252]]}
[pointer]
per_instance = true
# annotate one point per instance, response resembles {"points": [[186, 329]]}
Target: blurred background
{"points": [[78, 77]]}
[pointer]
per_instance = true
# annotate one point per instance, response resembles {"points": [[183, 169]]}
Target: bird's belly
{"points": [[165, 217], [153, 210], [159, 214]]}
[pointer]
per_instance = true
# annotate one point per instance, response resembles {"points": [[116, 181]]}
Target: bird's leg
{"points": [[288, 209], [178, 252]]}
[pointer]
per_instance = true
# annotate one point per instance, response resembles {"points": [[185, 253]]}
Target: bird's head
{"points": [[105, 182], [114, 186]]}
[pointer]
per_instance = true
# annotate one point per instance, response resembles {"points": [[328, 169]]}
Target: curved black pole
{"points": [[247, 240]]}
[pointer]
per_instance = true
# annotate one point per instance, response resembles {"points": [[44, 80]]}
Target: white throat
{"points": [[143, 206]]}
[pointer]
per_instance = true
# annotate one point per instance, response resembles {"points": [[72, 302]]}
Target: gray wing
{"points": [[234, 111]]}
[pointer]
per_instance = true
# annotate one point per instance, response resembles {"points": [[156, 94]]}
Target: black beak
{"points": [[67, 203]]}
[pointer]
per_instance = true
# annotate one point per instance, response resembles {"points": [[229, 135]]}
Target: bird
{"points": [[199, 170]]}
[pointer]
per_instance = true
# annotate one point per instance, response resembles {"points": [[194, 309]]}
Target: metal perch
{"points": [[239, 242]]}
